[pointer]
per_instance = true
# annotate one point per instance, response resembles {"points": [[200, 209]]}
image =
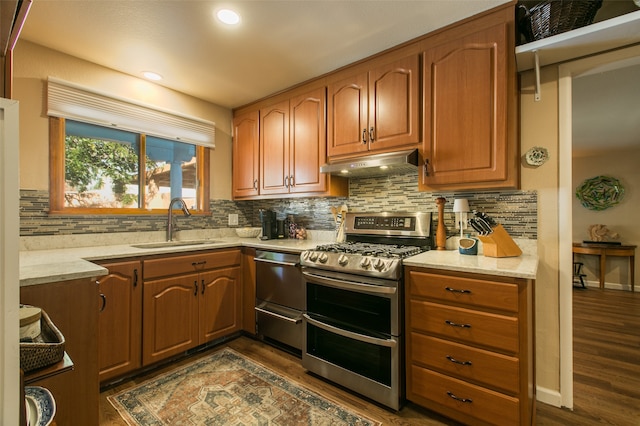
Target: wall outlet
{"points": [[233, 219]]}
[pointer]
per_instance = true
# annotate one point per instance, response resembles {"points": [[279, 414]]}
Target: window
{"points": [[97, 169]]}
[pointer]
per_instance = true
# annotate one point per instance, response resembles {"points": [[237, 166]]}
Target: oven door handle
{"points": [[282, 317], [349, 285], [390, 343]]}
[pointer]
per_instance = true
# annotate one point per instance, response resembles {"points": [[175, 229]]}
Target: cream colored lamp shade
{"points": [[460, 208]]}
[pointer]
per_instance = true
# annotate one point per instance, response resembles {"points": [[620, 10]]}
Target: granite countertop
{"points": [[42, 261], [53, 259], [524, 266]]}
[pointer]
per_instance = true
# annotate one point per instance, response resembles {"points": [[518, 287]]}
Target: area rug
{"points": [[227, 388]]}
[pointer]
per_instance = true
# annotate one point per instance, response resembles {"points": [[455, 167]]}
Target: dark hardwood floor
{"points": [[606, 370]]}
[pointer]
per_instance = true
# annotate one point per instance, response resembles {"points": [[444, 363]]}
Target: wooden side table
{"points": [[604, 250]]}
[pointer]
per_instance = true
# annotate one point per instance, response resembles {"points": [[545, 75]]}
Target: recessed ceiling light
{"points": [[228, 16], [152, 75]]}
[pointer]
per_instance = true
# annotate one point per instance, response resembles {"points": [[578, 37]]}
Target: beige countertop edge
{"points": [[524, 266], [54, 265]]}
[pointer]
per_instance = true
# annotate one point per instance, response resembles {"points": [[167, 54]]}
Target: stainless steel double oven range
{"points": [[353, 320]]}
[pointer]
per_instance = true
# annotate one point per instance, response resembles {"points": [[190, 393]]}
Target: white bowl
{"points": [[248, 232]]}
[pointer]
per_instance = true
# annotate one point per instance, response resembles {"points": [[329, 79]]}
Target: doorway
{"points": [[567, 73]]}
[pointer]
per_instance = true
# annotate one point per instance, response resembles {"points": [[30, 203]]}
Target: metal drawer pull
{"points": [[455, 290], [455, 324], [276, 262], [104, 302], [455, 361], [457, 398], [282, 317]]}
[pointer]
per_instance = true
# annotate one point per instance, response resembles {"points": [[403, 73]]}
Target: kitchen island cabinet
{"points": [[470, 346], [188, 301], [73, 307], [470, 92], [375, 110], [120, 319]]}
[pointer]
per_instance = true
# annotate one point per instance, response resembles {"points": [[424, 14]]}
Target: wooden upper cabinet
{"points": [[274, 148], [308, 143], [348, 107], [246, 154], [377, 110], [468, 88]]}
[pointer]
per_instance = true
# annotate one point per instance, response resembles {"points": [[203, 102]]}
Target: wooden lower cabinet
{"points": [[248, 290], [186, 310], [73, 307], [470, 346], [120, 319]]}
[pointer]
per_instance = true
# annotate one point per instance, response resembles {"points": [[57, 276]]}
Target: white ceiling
{"points": [[281, 43], [277, 44]]}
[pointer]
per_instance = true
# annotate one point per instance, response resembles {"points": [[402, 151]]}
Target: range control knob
{"points": [[379, 265], [323, 258], [343, 260], [313, 256], [365, 263], [305, 255]]}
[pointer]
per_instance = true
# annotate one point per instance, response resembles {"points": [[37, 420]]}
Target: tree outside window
{"points": [[102, 170]]}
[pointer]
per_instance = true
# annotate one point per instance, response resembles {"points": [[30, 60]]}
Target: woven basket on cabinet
{"points": [[552, 17]]}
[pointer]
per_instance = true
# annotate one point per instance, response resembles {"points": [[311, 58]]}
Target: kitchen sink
{"points": [[164, 244]]}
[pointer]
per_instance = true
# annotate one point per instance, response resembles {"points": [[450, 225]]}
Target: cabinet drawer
{"points": [[194, 262], [476, 401], [489, 330], [489, 368], [470, 291]]}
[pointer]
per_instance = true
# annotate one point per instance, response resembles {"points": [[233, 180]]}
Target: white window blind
{"points": [[70, 100]]}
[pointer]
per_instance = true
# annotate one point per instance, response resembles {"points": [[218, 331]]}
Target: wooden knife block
{"points": [[499, 244]]}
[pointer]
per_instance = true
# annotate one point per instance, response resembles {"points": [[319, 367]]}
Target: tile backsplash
{"points": [[515, 210]]}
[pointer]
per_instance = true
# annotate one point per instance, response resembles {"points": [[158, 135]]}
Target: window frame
{"points": [[57, 135]]}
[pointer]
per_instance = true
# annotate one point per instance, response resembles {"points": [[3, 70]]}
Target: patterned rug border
{"points": [[288, 385]]}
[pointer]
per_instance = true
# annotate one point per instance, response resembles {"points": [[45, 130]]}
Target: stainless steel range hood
{"points": [[374, 165]]}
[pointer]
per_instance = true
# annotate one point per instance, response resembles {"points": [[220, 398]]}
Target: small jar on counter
{"points": [[292, 226]]}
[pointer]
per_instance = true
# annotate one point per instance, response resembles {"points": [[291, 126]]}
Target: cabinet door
{"points": [[465, 85], [120, 319], [394, 109], [308, 144], [274, 149], [347, 116], [246, 155], [170, 317], [220, 303]]}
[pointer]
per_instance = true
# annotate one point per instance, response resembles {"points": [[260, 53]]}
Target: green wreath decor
{"points": [[600, 192]]}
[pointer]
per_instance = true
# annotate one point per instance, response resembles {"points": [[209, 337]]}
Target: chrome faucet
{"points": [[185, 210]]}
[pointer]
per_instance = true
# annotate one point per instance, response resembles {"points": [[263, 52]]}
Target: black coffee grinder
{"points": [[268, 222]]}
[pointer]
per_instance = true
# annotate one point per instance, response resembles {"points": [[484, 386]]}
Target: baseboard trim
{"points": [[548, 396]]}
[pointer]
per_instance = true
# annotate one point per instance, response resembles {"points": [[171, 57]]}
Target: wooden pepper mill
{"points": [[441, 231]]}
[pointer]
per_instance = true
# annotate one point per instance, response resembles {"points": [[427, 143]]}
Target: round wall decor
{"points": [[600, 192], [536, 156]]}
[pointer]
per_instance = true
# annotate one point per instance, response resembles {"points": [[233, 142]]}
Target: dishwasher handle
{"points": [[283, 259]]}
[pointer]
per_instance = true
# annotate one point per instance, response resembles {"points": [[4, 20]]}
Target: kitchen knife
{"points": [[474, 225]]}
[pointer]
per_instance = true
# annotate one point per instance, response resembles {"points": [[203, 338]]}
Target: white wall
{"points": [[34, 64]]}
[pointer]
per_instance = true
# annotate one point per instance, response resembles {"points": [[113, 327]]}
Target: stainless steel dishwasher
{"points": [[279, 298]]}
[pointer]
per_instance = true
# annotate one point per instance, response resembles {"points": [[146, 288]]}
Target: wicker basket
{"points": [[553, 17], [46, 350]]}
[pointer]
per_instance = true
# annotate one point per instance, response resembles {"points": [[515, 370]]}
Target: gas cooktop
{"points": [[370, 249]]}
